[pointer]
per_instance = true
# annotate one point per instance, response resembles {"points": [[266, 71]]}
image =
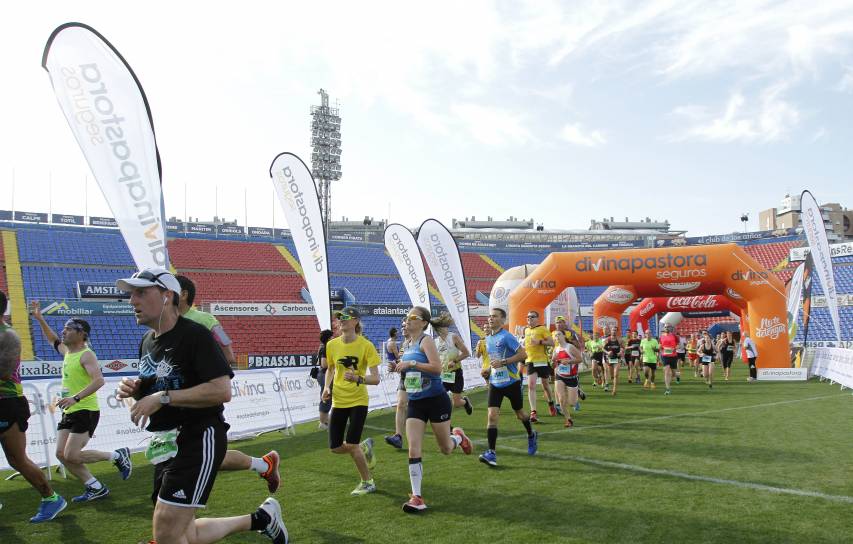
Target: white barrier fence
{"points": [[835, 364], [261, 401]]}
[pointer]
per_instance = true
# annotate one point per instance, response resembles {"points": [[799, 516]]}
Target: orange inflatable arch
{"points": [[723, 269]]}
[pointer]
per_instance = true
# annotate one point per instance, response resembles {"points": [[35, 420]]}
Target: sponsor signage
{"points": [[53, 369], [5, 215], [691, 303], [31, 217], [174, 227], [798, 254], [63, 219], [819, 301], [79, 308], [350, 237], [100, 290], [199, 228], [669, 266], [262, 232], [619, 296], [261, 308], [281, 233], [103, 222], [680, 287], [726, 238], [280, 361], [783, 374], [230, 230], [771, 328]]}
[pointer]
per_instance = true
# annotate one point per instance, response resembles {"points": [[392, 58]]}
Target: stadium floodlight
{"points": [[744, 218], [325, 150]]}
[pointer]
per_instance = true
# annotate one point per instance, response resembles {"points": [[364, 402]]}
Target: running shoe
{"points": [[710, 386], [533, 417], [271, 475], [123, 463], [637, 380], [465, 444], [322, 426], [92, 494], [581, 394], [653, 386], [646, 384], [668, 392], [370, 457], [275, 529], [578, 406], [490, 458], [552, 410], [569, 423], [594, 385], [469, 408], [48, 510], [363, 488], [394, 440], [559, 409], [607, 388], [414, 505], [532, 443], [678, 379]]}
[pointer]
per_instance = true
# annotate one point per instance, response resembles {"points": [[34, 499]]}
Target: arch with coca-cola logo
{"points": [[722, 269], [648, 308]]}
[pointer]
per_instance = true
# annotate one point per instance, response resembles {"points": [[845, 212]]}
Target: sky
{"points": [[562, 112]]}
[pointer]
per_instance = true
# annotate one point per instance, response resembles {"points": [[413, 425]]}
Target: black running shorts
{"points": [[14, 410], [511, 392], [187, 479], [435, 409], [458, 384], [338, 418], [79, 422]]}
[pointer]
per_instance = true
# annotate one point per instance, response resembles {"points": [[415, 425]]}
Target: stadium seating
{"points": [[476, 267], [59, 282], [72, 247], [226, 255], [111, 338], [246, 287], [272, 335]]}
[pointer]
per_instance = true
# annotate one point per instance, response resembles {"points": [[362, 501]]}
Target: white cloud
{"points": [[768, 117], [574, 133], [845, 84], [492, 126]]}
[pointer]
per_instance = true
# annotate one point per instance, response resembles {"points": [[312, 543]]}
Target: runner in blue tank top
{"points": [[427, 400]]}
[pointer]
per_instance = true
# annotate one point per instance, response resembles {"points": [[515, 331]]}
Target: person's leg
{"points": [[415, 435], [337, 429], [458, 402], [667, 375], [532, 377], [72, 444], [753, 371], [400, 414], [492, 426], [653, 370], [710, 370], [172, 523], [358, 416], [614, 377], [14, 444], [546, 389]]}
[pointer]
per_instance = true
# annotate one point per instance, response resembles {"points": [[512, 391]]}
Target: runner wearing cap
{"points": [[14, 421], [184, 381], [353, 362], [567, 356], [267, 465], [536, 339], [81, 379]]}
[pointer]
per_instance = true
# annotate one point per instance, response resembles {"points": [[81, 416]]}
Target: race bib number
{"points": [[449, 376], [706, 358], [564, 370], [635, 353], [413, 382], [162, 447], [500, 376], [614, 361], [668, 351], [730, 348]]}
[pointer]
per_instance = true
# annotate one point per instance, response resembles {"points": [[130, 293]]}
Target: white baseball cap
{"points": [[150, 277]]}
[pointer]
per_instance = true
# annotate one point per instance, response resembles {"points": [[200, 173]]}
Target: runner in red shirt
{"points": [[668, 355]]}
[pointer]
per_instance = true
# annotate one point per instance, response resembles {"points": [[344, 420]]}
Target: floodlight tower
{"points": [[326, 150]]}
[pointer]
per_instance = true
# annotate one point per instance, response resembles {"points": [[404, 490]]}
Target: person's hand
{"points": [[66, 402], [485, 373], [498, 363], [392, 366], [351, 376], [144, 407], [35, 309], [128, 388], [402, 366], [327, 395]]}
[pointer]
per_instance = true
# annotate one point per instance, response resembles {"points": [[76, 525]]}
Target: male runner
{"points": [[536, 338]]}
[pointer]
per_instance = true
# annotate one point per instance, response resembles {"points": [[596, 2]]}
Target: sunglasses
{"points": [[74, 325], [414, 318], [148, 276], [344, 317]]}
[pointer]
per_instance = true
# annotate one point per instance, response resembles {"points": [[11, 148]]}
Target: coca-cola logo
{"points": [[691, 303], [646, 309], [619, 296], [680, 287], [771, 328]]}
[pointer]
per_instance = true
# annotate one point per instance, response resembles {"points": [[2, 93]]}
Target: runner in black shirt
{"points": [[632, 357], [612, 352], [184, 381]]}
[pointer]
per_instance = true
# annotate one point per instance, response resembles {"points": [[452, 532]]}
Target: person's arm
{"points": [[394, 349], [463, 350], [330, 379], [204, 395], [547, 341], [93, 369], [10, 353], [519, 356], [52, 337]]}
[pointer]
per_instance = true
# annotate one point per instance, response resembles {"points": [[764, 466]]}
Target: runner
{"points": [[323, 364], [14, 417], [572, 338], [482, 352], [353, 361], [392, 356], [726, 348], [692, 356], [81, 380], [504, 377], [595, 348], [536, 338], [668, 356], [681, 355], [567, 356], [452, 351], [184, 381], [613, 350], [428, 400], [267, 466], [650, 348], [632, 356], [706, 352]]}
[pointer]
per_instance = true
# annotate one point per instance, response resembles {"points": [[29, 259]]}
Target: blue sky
{"points": [[563, 112]]}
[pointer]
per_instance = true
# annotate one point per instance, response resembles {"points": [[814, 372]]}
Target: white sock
{"points": [[259, 465], [93, 483], [416, 474], [456, 440]]}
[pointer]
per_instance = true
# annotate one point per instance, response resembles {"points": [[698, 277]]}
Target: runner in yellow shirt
{"points": [[536, 339]]}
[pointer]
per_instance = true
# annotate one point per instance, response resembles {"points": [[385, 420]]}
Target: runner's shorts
{"points": [[458, 384], [671, 362], [14, 410], [81, 421], [187, 479], [570, 381], [435, 409], [338, 418], [544, 372], [512, 392]]}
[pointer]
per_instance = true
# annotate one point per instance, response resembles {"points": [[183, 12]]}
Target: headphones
{"points": [[164, 300]]}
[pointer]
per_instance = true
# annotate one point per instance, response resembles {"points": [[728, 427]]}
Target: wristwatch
{"points": [[165, 399], [76, 398]]}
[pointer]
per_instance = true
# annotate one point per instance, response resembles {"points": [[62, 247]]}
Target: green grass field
{"points": [[763, 462]]}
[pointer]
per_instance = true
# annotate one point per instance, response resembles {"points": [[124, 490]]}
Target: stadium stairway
{"points": [[17, 300]]}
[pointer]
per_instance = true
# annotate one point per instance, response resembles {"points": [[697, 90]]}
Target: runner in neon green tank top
{"points": [[14, 421], [81, 380]]}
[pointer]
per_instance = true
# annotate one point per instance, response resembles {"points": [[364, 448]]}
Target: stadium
{"points": [[167, 379]]}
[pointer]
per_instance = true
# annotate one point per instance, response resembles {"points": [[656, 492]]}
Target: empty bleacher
{"points": [[226, 255], [272, 335], [73, 247], [112, 337]]}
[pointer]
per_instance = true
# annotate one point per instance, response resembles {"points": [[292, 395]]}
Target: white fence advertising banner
{"points": [[844, 249], [834, 364], [108, 113], [297, 195], [261, 308]]}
